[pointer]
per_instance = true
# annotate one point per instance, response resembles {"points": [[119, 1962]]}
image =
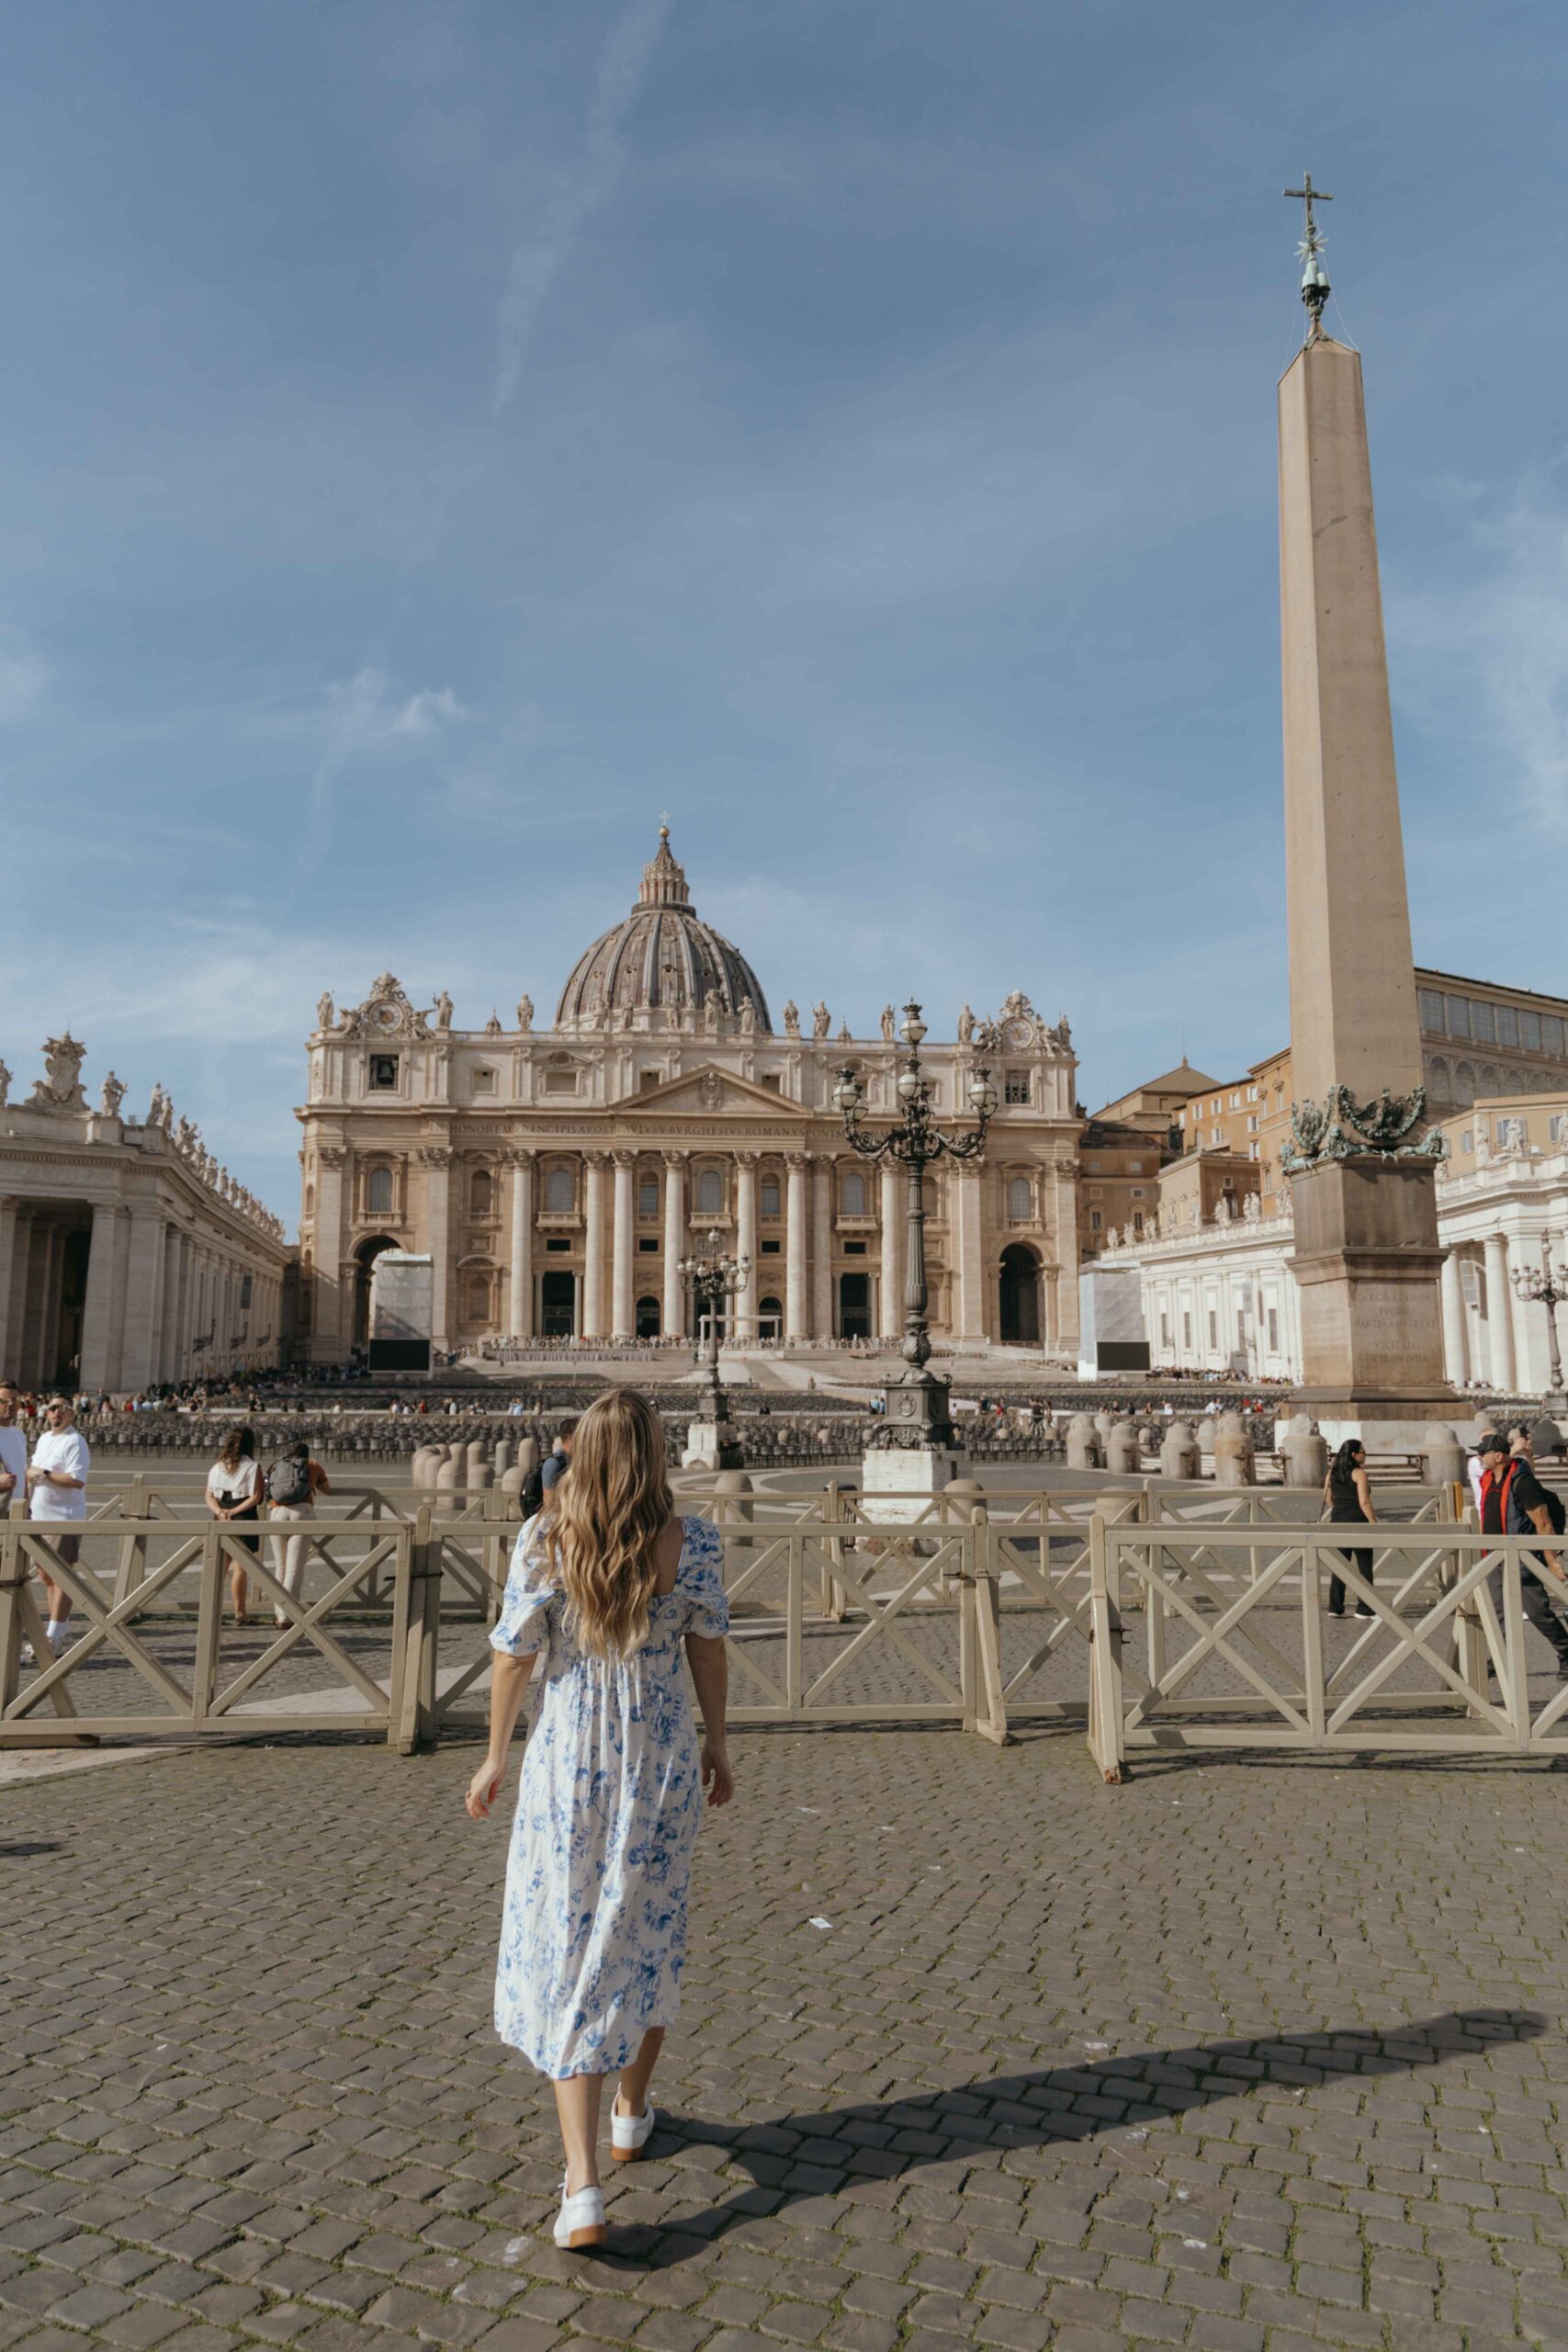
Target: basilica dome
{"points": [[661, 957]]}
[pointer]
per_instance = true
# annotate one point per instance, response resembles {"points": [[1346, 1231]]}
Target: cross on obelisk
{"points": [[1315, 288]]}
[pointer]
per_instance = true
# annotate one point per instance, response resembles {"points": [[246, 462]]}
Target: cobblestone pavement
{"points": [[1250, 2055]]}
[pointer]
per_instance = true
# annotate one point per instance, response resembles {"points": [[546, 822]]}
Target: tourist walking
{"points": [[557, 1462], [293, 1482], [233, 1492], [608, 1586], [57, 1497], [1515, 1502], [1347, 1500]]}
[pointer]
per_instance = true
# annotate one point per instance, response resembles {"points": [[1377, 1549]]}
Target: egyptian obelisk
{"points": [[1367, 1257]]}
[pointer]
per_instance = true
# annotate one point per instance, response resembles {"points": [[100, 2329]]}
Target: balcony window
{"points": [[1021, 1206], [647, 1196], [383, 1073], [710, 1194], [851, 1194], [768, 1196], [1015, 1087], [379, 1192], [560, 1192]]}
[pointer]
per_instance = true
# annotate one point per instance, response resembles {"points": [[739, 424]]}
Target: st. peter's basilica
{"points": [[557, 1176]]}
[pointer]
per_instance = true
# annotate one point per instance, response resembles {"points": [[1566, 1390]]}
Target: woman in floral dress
{"points": [[608, 1586]]}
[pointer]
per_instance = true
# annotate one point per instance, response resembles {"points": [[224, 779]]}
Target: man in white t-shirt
{"points": [[57, 1486], [12, 1453]]}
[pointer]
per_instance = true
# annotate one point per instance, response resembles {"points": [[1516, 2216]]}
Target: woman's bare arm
{"points": [[508, 1689], [709, 1662]]}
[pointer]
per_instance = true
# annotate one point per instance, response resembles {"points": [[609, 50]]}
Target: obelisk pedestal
{"points": [[1367, 1257]]}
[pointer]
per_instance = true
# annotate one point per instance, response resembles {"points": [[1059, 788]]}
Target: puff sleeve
{"points": [[702, 1581], [524, 1623]]}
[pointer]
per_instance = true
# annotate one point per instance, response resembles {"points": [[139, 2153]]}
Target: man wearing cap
{"points": [[1512, 1501]]}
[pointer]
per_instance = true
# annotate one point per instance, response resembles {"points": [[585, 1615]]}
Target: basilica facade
{"points": [[556, 1176]]}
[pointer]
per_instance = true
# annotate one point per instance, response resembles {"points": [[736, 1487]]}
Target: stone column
{"points": [[520, 1271], [8, 1246], [327, 1318], [186, 1326], [437, 1163], [964, 1222], [796, 1313], [144, 1300], [822, 1249], [890, 1300], [1499, 1312], [674, 1314], [168, 1312], [622, 1311], [1456, 1353], [746, 1245], [593, 1247], [1367, 1256], [106, 1293]]}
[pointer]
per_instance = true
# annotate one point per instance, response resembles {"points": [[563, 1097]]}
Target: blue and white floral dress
{"points": [[593, 1933]]}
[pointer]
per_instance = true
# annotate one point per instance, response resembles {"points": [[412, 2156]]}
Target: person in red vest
{"points": [[1513, 1501]]}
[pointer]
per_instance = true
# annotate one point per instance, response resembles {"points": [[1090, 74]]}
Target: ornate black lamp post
{"points": [[1539, 1286], [919, 1414], [713, 1279]]}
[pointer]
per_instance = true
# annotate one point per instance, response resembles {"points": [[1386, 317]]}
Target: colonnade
{"points": [[156, 1300], [1485, 1337]]}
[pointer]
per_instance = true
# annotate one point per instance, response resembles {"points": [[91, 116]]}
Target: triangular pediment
{"points": [[713, 1093]]}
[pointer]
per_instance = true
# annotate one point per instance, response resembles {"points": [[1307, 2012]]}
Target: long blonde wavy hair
{"points": [[605, 1520]]}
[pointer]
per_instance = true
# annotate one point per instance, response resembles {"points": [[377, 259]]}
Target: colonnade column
{"points": [[593, 1247], [890, 1303], [1499, 1312], [1455, 1351], [622, 1312], [746, 1233], [823, 1250], [168, 1315], [673, 1318], [520, 1275], [437, 1158], [142, 1349], [797, 1286], [99, 1362], [8, 1238]]}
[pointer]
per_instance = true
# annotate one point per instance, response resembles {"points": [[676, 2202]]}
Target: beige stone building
{"points": [[127, 1254], [557, 1176]]}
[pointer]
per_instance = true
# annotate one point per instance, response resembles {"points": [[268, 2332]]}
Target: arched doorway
{"points": [[647, 1318], [770, 1318], [557, 1305], [854, 1307], [365, 1258], [1020, 1296]]}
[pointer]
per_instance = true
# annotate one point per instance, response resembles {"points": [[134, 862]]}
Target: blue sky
{"points": [[437, 435]]}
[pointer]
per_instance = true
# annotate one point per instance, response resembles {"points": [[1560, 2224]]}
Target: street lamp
{"points": [[1539, 1286], [919, 1413], [714, 1279]]}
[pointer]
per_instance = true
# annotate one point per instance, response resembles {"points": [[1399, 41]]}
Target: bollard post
{"points": [[135, 1503], [992, 1724]]}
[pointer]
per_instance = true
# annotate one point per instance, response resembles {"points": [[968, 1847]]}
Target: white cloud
{"points": [[24, 675], [364, 715], [538, 261], [1500, 644]]}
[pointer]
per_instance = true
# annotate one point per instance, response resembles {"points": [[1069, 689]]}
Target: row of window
{"points": [[1213, 1314], [1466, 1080], [1485, 1023], [560, 1195], [1511, 1134], [381, 1078]]}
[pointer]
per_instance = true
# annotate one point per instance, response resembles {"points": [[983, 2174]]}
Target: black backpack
{"points": [[1556, 1512], [532, 1493]]}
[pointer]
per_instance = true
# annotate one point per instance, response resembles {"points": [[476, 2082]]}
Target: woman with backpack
{"points": [[292, 1485], [233, 1492], [609, 1588]]}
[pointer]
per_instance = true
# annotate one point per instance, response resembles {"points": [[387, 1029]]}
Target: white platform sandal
{"points": [[629, 2133], [580, 2221]]}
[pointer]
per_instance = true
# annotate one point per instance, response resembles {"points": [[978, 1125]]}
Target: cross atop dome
{"points": [[663, 879]]}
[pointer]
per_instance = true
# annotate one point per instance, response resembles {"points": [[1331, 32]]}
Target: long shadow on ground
{"points": [[818, 2154]]}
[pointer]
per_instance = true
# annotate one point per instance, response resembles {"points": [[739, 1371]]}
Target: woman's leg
{"points": [[576, 2104], [635, 2079]]}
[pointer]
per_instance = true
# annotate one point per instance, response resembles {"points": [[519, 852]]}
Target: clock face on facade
{"points": [[385, 1016], [1017, 1033]]}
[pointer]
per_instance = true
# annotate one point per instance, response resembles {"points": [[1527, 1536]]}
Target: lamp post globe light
{"points": [[919, 1416], [1543, 1286], [713, 1280]]}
